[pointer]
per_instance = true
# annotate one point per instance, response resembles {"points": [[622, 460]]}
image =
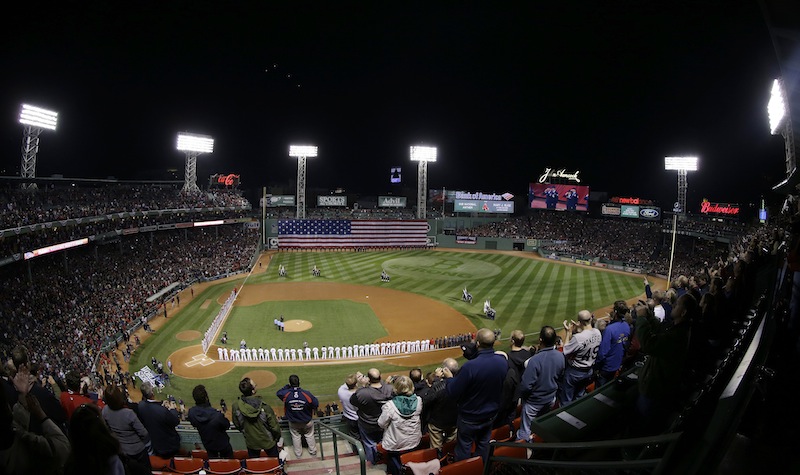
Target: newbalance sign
{"points": [[649, 213], [331, 201]]}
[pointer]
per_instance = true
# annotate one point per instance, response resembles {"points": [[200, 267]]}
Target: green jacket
{"points": [[256, 420]]}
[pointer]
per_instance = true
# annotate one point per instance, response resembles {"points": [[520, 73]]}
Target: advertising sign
{"points": [[483, 206], [610, 210], [728, 209], [325, 200], [629, 211], [558, 197], [395, 175], [560, 173], [649, 212], [391, 202], [280, 200]]}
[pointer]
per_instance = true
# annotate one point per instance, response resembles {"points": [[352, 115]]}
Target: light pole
{"points": [[423, 155], [34, 119], [193, 145], [682, 165], [781, 124], [302, 152]]}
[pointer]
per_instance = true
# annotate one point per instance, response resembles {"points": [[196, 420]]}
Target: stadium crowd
{"points": [[25, 207]]}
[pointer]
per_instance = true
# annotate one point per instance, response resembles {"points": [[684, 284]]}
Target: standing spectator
{"points": [[299, 407], [368, 401], [582, 345], [518, 354], [94, 448], [256, 420], [134, 439], [540, 381], [614, 344], [160, 420], [441, 408], [350, 416], [72, 398], [51, 406], [476, 388], [400, 422], [211, 424]]}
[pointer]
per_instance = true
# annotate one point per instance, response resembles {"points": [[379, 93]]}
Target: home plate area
{"points": [[201, 360]]}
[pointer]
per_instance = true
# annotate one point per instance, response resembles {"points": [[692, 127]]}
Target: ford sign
{"points": [[649, 213]]}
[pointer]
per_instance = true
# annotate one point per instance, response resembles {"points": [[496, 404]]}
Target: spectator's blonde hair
{"points": [[403, 386]]}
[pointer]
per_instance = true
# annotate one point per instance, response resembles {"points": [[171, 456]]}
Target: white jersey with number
{"points": [[581, 350]]}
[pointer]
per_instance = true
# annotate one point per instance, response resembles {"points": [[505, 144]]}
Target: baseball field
{"points": [[349, 304]]}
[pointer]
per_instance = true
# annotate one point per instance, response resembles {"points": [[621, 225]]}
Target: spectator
{"points": [[94, 448], [299, 406], [614, 344], [349, 413], [441, 408], [160, 420], [416, 378], [212, 425], [518, 354], [256, 420], [368, 401], [540, 381], [21, 449], [476, 389], [580, 350], [73, 398], [133, 438], [400, 421], [20, 363]]}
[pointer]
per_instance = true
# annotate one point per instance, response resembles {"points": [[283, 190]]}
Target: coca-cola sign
{"points": [[728, 209]]}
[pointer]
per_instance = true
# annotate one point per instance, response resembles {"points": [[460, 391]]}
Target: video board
{"points": [[558, 197]]}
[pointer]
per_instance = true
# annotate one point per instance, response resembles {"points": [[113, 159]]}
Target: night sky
{"points": [[503, 89]]}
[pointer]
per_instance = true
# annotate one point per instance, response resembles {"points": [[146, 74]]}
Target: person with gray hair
{"points": [[368, 402], [581, 348], [442, 410], [160, 419]]}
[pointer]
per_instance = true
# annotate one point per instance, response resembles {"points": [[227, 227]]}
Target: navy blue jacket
{"points": [[212, 426], [299, 405], [160, 423], [478, 386]]}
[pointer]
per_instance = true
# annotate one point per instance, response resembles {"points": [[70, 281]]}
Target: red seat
{"points": [[471, 466], [200, 454], [449, 447], [424, 442], [501, 434], [224, 466], [187, 465], [240, 454], [270, 465], [159, 463], [517, 452]]}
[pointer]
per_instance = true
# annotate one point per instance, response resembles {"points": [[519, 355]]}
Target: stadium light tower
{"points": [[682, 165], [781, 124], [34, 120], [301, 153], [423, 155], [193, 145]]}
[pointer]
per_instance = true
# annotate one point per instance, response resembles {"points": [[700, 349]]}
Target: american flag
{"points": [[347, 233]]}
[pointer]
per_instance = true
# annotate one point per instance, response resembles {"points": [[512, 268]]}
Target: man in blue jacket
{"points": [[299, 406], [160, 420], [477, 389], [211, 424], [540, 381]]}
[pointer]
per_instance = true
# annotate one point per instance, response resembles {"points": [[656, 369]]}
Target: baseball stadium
{"points": [[273, 325]]}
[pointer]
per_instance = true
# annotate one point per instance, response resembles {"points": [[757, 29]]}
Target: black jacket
{"points": [[212, 426]]}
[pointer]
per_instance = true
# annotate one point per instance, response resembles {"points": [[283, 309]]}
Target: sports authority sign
{"points": [[324, 200], [391, 201], [727, 209]]}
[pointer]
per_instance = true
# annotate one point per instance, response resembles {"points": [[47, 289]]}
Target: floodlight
{"points": [[420, 153], [776, 107], [307, 151], [38, 117], [680, 163], [195, 143]]}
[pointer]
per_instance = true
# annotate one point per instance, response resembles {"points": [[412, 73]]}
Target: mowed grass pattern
{"points": [[527, 293]]}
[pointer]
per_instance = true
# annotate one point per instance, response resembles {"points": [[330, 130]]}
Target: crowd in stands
{"points": [[97, 301], [24, 207]]}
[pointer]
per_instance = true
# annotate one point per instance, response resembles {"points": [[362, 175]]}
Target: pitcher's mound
{"points": [[263, 379], [188, 335], [296, 325]]}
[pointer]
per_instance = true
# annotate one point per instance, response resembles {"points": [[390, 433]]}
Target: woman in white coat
{"points": [[400, 421]]}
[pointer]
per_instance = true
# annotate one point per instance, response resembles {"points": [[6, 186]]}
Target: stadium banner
{"points": [[273, 243], [439, 196], [532, 243], [252, 225], [629, 211], [558, 197], [55, 247], [341, 233], [616, 267], [391, 202], [634, 270], [649, 212], [583, 261], [566, 259], [184, 225], [329, 200], [609, 209], [600, 265], [483, 206], [719, 209], [466, 240], [280, 200]]}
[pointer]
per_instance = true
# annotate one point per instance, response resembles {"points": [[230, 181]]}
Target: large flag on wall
{"points": [[355, 233]]}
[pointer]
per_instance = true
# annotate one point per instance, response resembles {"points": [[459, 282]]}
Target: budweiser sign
{"points": [[706, 207]]}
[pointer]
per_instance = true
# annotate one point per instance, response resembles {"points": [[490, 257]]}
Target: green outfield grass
{"points": [[526, 293]]}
